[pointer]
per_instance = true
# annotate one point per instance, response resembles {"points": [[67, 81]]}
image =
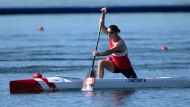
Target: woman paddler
{"points": [[119, 62]]}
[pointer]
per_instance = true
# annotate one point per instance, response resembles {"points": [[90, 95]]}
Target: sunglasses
{"points": [[110, 33]]}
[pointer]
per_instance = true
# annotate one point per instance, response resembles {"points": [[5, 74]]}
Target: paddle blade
{"points": [[89, 80]]}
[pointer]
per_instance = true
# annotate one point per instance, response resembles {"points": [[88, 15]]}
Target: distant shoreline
{"points": [[83, 3], [112, 9]]}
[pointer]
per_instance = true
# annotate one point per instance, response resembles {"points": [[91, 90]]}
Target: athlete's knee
{"points": [[100, 62]]}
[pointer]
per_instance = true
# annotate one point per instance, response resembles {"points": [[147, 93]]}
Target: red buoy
{"points": [[37, 75], [40, 28], [153, 76], [164, 48]]}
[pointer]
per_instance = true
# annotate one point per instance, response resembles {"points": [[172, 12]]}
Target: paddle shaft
{"points": [[99, 30], [89, 81]]}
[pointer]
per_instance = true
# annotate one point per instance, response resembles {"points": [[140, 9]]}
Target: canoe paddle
{"points": [[89, 81]]}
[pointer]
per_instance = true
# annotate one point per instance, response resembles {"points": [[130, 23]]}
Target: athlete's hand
{"points": [[95, 53], [104, 9]]}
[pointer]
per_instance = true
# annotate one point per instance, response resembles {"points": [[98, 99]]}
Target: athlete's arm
{"points": [[117, 47], [103, 27]]}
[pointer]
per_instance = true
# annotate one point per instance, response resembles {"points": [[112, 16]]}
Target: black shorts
{"points": [[129, 73]]}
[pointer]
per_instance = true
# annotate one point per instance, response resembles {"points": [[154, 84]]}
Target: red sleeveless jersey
{"points": [[120, 59]]}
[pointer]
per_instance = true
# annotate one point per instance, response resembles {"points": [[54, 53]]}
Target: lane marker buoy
{"points": [[37, 75], [164, 48], [40, 28]]}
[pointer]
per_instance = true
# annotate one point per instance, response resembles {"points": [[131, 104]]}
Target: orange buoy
{"points": [[37, 75]]}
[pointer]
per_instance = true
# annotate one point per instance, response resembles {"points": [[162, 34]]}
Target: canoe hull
{"points": [[67, 83]]}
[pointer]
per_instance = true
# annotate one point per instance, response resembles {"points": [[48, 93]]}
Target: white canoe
{"points": [[68, 83]]}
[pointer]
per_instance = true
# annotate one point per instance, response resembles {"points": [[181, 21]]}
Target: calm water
{"points": [[65, 48]]}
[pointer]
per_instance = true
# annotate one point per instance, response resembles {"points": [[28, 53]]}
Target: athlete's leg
{"points": [[133, 73], [108, 65], [129, 73]]}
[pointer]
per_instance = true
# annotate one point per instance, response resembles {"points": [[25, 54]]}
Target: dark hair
{"points": [[114, 28]]}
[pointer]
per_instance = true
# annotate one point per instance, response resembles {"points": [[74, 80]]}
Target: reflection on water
{"points": [[121, 97], [89, 94], [115, 97]]}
